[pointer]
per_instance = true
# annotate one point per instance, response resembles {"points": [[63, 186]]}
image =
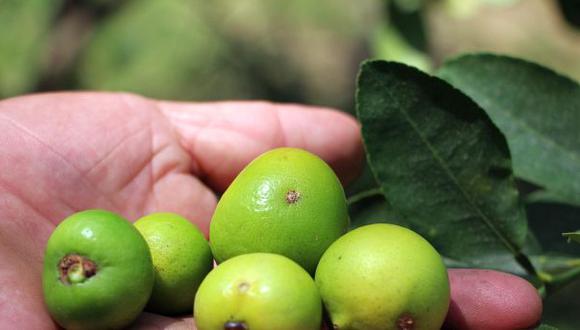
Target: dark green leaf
{"points": [[371, 207], [503, 262], [538, 111], [546, 327], [575, 236], [365, 182], [442, 164], [548, 196]]}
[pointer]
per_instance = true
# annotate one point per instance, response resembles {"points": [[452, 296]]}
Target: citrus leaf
{"points": [[369, 207], [441, 163], [365, 182], [548, 196], [538, 111]]}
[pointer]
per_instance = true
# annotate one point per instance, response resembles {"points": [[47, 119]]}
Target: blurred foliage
{"points": [[25, 26], [298, 51], [532, 29], [466, 8], [176, 56], [390, 44], [225, 49]]}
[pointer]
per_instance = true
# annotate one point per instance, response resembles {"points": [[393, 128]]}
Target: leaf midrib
{"points": [[512, 247]]}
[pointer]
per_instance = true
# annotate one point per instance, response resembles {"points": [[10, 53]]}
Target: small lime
{"points": [[258, 291], [97, 272], [181, 258]]}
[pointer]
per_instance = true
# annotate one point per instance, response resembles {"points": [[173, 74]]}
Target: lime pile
{"points": [[279, 236]]}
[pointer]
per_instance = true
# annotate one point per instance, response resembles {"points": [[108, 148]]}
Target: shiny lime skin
{"points": [[382, 276], [287, 201], [264, 291], [118, 292], [181, 258]]}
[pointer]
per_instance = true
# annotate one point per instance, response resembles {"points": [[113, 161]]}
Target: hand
{"points": [[66, 152]]}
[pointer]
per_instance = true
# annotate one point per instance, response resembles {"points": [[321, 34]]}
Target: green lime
{"points": [[287, 201], [383, 277], [258, 291], [181, 258], [97, 273]]}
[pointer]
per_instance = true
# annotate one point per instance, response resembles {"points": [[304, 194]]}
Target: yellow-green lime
{"points": [[181, 259], [287, 201], [383, 276], [258, 291]]}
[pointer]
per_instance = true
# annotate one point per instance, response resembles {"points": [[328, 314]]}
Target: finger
{"points": [[223, 137], [487, 299], [174, 189]]}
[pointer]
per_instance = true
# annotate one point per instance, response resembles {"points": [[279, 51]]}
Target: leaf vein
{"points": [[455, 181]]}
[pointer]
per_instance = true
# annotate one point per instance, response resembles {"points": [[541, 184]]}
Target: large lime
{"points": [[287, 201], [382, 277]]}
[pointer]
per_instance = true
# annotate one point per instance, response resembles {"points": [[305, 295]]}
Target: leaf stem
{"points": [[364, 195], [556, 282]]}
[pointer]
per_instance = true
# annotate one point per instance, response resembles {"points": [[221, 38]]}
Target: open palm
{"points": [[66, 152], [62, 153]]}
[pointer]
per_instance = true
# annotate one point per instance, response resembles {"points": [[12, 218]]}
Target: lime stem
{"points": [[76, 274], [75, 269]]}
